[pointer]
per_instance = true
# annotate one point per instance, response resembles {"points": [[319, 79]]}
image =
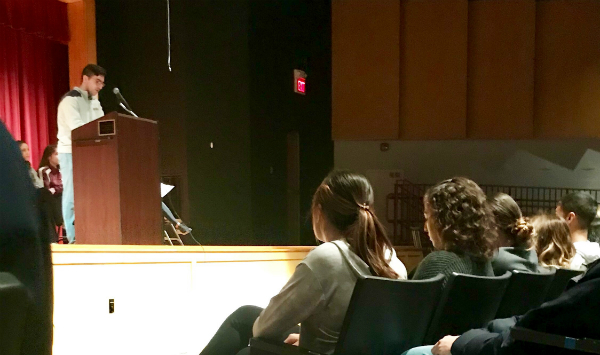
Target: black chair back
{"points": [[14, 302], [388, 316], [525, 291], [467, 302], [559, 283]]}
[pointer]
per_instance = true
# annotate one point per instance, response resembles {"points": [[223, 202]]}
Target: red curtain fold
{"points": [[34, 73], [43, 18]]}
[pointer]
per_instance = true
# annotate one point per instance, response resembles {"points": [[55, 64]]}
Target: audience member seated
{"points": [[24, 251], [460, 224], [579, 210], [35, 179], [594, 229], [574, 314], [49, 171], [43, 198], [515, 237], [553, 244], [318, 293], [50, 174]]}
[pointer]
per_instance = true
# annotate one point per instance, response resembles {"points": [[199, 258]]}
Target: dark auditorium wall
{"points": [[231, 85], [216, 92], [288, 35], [131, 45]]}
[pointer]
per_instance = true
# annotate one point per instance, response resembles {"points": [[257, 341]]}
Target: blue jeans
{"points": [[68, 202], [419, 350]]}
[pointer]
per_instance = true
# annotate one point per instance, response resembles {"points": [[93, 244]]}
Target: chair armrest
{"points": [[532, 336], [260, 346]]}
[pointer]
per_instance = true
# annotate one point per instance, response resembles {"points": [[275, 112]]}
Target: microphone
{"points": [[122, 102]]}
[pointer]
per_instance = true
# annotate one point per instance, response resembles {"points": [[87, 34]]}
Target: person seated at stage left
{"points": [[318, 293], [49, 172], [26, 154]]}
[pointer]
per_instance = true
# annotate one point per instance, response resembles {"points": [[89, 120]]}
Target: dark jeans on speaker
{"points": [[234, 334]]}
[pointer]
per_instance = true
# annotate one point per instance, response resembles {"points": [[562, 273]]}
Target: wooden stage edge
{"points": [[119, 254], [93, 248], [156, 289]]}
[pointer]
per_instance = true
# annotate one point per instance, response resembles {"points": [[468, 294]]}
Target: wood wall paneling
{"points": [[82, 45], [433, 69], [500, 81], [567, 70], [365, 78]]}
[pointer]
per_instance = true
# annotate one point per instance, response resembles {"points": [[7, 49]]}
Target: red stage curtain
{"points": [[34, 70], [43, 18]]}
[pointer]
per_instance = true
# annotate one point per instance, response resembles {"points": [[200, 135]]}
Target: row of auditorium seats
{"points": [[390, 316]]}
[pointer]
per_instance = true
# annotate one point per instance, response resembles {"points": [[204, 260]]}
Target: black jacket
{"points": [[576, 313], [24, 246]]}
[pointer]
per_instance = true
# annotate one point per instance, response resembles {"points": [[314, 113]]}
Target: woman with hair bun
{"points": [[460, 224], [515, 237]]}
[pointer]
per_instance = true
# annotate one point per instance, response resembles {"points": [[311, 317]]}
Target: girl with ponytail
{"points": [[342, 209], [516, 249], [318, 293]]}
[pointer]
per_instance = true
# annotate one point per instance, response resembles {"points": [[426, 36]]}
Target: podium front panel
{"points": [[96, 182], [117, 182]]}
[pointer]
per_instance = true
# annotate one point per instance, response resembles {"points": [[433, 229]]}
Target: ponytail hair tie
{"points": [[363, 207]]}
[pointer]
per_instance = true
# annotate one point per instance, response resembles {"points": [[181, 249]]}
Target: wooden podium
{"points": [[116, 181]]}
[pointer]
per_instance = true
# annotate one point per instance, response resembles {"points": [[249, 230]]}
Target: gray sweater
{"points": [[446, 262], [511, 258], [317, 295]]}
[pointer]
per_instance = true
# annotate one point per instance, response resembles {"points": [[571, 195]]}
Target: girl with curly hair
{"points": [[515, 237], [553, 241], [460, 224]]}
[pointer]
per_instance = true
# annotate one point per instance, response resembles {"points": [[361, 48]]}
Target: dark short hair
{"points": [[582, 205], [93, 69]]}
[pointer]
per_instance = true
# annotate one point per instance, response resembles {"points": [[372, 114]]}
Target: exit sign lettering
{"points": [[299, 82]]}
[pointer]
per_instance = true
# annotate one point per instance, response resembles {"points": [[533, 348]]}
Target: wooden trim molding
{"points": [[82, 28]]}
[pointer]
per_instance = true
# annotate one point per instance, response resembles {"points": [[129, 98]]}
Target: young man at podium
{"points": [[78, 107]]}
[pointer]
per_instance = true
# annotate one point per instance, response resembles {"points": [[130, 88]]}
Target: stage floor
{"points": [[167, 300]]}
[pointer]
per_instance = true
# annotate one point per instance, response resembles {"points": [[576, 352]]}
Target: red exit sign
{"points": [[299, 82], [301, 85]]}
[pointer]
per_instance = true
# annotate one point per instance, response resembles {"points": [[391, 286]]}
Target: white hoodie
{"points": [[587, 252], [75, 109]]}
